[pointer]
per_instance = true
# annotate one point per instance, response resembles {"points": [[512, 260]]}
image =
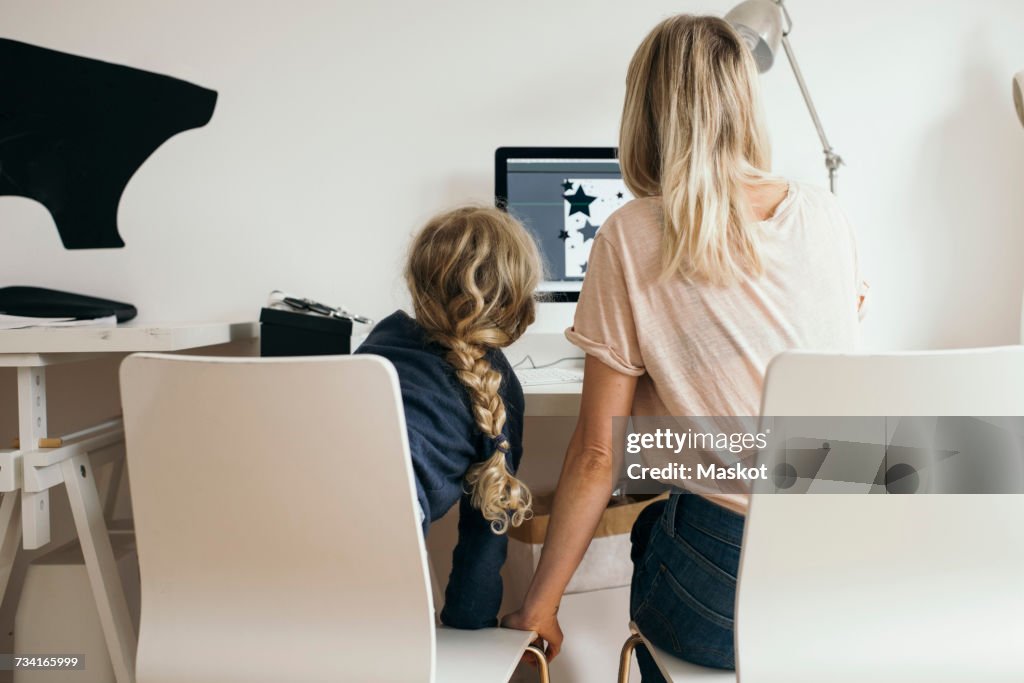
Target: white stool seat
{"points": [[473, 656], [679, 670]]}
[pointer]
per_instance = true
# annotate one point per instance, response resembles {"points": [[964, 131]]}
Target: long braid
{"points": [[493, 487]]}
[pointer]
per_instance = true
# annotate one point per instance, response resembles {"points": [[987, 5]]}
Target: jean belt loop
{"points": [[668, 519]]}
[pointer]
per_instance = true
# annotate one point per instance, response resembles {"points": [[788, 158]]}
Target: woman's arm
{"points": [[584, 488]]}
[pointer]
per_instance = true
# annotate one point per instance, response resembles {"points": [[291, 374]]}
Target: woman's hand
{"points": [[545, 625]]}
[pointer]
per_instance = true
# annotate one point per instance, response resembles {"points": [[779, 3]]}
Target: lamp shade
{"points": [[1018, 95], [759, 23]]}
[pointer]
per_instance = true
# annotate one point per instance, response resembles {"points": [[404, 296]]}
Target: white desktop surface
{"points": [[549, 345], [36, 346]]}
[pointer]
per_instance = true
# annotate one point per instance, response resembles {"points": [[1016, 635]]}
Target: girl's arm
{"points": [[584, 488], [474, 590], [473, 594]]}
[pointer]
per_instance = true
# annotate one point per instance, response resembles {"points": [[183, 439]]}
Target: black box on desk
{"points": [[291, 333]]}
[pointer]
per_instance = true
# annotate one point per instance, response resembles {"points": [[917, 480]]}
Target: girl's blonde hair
{"points": [[692, 133], [472, 273]]}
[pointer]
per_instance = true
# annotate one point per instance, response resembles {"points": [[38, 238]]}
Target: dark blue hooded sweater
{"points": [[445, 442]]}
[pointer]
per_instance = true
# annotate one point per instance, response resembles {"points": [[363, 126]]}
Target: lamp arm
{"points": [[832, 159]]}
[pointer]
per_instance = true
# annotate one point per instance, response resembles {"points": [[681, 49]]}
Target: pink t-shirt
{"points": [[700, 349]]}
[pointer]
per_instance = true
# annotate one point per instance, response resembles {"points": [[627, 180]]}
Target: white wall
{"points": [[341, 126]]}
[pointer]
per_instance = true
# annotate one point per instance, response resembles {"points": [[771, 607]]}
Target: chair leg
{"points": [[626, 656], [542, 662]]}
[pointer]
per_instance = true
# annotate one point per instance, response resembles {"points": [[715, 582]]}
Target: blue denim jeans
{"points": [[686, 553]]}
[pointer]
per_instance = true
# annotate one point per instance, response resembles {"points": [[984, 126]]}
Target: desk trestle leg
{"points": [[35, 506], [10, 527], [101, 565]]}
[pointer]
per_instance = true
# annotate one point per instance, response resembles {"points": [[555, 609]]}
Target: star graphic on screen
{"points": [[579, 202], [567, 185], [617, 194], [588, 231], [563, 235], [583, 268]]}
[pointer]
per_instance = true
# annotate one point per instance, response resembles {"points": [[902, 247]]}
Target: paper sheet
{"points": [[18, 322]]}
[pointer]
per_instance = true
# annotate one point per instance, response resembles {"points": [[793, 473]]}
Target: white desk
{"points": [[40, 346], [29, 472], [549, 400]]}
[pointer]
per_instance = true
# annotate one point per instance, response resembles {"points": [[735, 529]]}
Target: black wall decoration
{"points": [[74, 130]]}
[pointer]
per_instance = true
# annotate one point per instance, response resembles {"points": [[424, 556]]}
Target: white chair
{"points": [[846, 588], [672, 668], [278, 531]]}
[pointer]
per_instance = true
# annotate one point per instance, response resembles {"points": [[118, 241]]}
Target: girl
{"points": [[471, 273], [691, 289]]}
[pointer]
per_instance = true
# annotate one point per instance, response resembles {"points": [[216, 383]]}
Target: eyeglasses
{"points": [[302, 304]]}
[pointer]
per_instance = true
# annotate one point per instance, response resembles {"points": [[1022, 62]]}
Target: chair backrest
{"points": [[276, 519], [885, 587]]}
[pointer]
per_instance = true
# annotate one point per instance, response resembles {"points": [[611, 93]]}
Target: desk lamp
{"points": [[760, 24]]}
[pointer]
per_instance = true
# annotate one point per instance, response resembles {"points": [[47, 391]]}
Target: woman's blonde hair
{"points": [[692, 133], [472, 273]]}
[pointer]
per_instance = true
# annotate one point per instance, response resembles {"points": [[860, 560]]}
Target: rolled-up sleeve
{"points": [[604, 326]]}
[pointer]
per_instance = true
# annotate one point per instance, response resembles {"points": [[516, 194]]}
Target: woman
{"points": [[690, 290], [471, 273]]}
